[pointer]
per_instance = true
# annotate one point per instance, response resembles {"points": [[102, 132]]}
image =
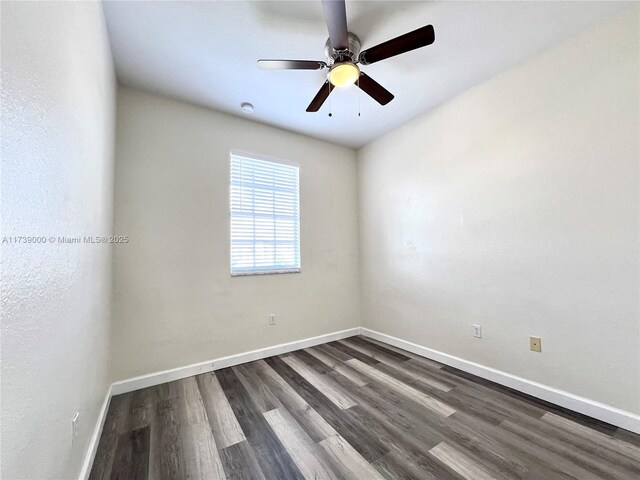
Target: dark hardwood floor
{"points": [[354, 409]]}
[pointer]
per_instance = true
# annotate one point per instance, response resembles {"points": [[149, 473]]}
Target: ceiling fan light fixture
{"points": [[344, 74]]}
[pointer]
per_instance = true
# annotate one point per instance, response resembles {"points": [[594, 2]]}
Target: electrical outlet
{"points": [[272, 319], [535, 343], [74, 427], [477, 330]]}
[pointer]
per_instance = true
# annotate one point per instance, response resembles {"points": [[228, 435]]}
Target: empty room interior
{"points": [[320, 240]]}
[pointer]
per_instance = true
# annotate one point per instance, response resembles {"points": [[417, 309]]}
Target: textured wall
{"points": [[175, 302], [515, 206], [58, 101]]}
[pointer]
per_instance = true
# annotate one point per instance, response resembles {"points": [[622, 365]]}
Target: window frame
{"points": [[275, 271]]}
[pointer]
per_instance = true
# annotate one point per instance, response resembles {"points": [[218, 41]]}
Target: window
{"points": [[265, 217]]}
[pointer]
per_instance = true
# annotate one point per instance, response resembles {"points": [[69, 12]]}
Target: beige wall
{"points": [[175, 302], [515, 206], [58, 103]]}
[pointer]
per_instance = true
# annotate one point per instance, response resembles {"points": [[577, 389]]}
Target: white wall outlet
{"points": [[477, 331], [273, 319], [74, 427]]}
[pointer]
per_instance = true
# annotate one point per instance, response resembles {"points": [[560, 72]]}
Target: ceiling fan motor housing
{"points": [[350, 54]]}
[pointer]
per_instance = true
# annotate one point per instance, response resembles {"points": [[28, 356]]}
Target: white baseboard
{"points": [[157, 378], [95, 437], [601, 411]]}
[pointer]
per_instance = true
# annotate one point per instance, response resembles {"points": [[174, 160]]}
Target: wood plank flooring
{"points": [[354, 409]]}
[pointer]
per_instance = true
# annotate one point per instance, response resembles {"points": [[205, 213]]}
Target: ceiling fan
{"points": [[342, 50]]}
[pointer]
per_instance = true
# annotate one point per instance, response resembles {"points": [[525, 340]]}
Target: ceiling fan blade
{"points": [[404, 43], [320, 97], [374, 89], [335, 14], [291, 65]]}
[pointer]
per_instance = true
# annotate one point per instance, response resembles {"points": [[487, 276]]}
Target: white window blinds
{"points": [[265, 217]]}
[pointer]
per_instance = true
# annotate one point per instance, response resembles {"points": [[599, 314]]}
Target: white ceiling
{"points": [[205, 53]]}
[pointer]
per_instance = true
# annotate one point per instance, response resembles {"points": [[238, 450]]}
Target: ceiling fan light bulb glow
{"points": [[344, 74]]}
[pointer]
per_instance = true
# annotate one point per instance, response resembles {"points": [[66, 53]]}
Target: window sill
{"points": [[264, 272]]}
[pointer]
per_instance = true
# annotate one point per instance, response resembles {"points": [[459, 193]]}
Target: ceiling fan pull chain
{"points": [[330, 103]]}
